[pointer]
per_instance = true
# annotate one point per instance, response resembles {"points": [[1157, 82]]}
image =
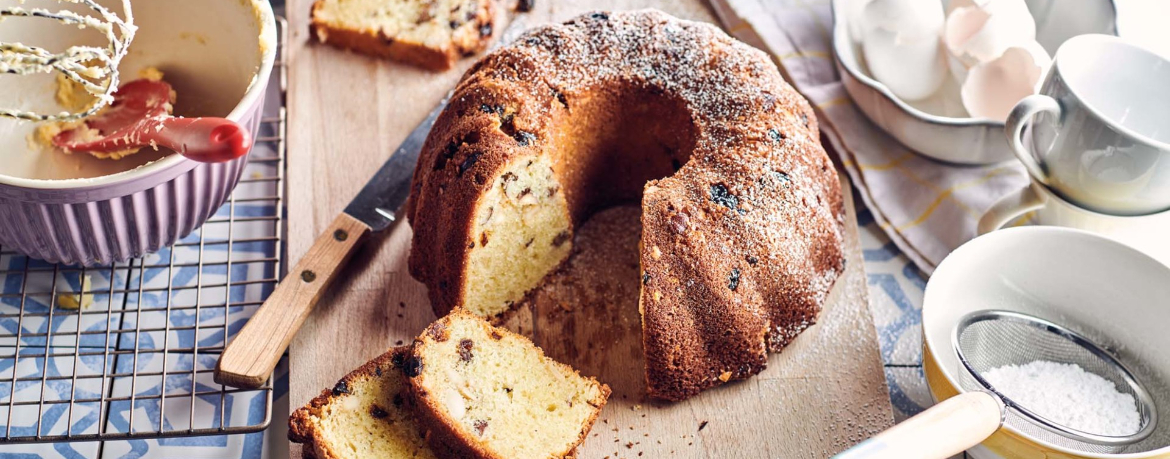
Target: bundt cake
{"points": [[742, 211], [431, 34], [362, 416], [484, 392]]}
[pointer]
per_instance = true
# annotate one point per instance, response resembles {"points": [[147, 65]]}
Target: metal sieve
{"points": [[985, 340]]}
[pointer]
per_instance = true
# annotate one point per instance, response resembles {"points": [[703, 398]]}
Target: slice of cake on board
{"points": [[362, 416], [484, 392], [432, 34]]}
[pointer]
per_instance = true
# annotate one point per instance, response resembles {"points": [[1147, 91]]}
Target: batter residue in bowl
{"points": [[73, 96]]}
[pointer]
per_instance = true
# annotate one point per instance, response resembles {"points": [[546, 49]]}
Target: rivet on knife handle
{"points": [[250, 358]]}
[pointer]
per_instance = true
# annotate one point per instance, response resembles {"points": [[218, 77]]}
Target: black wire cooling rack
{"points": [[127, 351]]}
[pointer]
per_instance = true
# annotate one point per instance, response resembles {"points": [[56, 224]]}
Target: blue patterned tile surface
{"points": [[113, 347], [895, 289], [895, 298]]}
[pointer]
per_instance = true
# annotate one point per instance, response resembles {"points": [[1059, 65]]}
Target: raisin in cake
{"points": [[742, 214], [432, 34], [363, 416], [484, 392]]}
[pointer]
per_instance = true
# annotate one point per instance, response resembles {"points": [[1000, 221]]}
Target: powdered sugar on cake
{"points": [[742, 213]]}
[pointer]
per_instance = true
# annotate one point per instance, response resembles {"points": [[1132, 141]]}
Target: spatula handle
{"points": [[250, 358], [948, 428], [207, 140]]}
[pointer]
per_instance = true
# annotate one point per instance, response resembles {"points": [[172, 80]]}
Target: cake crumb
{"points": [[77, 300]]}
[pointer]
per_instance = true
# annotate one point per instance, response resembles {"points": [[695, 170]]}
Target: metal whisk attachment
{"points": [[93, 68], [986, 340]]}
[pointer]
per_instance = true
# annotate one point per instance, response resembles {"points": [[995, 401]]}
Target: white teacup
{"points": [[1101, 134], [1146, 233]]}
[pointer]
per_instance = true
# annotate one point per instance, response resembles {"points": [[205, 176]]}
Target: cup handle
{"points": [[1017, 119], [1009, 208]]}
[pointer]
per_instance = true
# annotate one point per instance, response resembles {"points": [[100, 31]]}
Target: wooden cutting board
{"points": [[347, 113]]}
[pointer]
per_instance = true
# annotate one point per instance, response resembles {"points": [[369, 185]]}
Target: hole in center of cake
{"points": [[611, 144], [603, 148]]}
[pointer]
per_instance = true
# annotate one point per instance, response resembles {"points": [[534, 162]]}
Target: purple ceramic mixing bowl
{"points": [[221, 53]]}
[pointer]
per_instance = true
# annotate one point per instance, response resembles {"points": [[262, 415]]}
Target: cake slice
{"points": [[484, 392], [362, 416], [428, 33]]}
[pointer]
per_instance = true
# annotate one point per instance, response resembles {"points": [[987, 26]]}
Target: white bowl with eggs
{"points": [[937, 124]]}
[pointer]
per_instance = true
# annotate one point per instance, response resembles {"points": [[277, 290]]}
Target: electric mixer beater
{"points": [[92, 68], [121, 118]]}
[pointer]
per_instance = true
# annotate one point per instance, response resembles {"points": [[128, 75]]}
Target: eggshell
{"points": [[980, 32], [1041, 59], [902, 47], [1010, 24], [993, 88], [961, 26]]}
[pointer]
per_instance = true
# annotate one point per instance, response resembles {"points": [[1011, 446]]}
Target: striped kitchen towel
{"points": [[928, 208]]}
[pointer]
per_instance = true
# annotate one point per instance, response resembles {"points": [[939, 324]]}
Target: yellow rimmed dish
{"points": [[1100, 288]]}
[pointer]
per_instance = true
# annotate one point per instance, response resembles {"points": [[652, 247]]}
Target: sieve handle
{"points": [[948, 428]]}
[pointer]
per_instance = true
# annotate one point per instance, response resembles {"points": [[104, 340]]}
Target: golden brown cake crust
{"points": [[378, 43], [300, 427], [441, 432], [740, 246]]}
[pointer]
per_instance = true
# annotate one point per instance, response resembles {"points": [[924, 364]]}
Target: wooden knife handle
{"points": [[250, 358]]}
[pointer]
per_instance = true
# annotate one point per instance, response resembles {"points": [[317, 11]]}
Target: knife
{"points": [[248, 360]]}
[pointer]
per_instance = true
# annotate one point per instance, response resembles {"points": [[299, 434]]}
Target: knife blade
{"points": [[378, 202], [248, 360]]}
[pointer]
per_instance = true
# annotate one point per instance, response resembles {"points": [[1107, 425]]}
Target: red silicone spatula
{"points": [[140, 116]]}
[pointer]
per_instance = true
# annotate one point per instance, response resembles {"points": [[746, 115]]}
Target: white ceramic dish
{"points": [[218, 55], [938, 126], [1108, 292]]}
